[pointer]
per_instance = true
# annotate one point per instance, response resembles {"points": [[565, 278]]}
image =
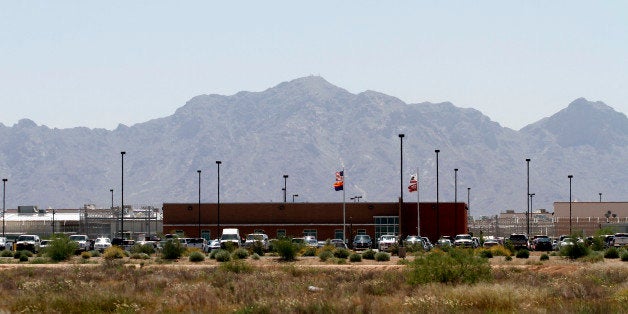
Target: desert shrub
{"points": [[257, 248], [140, 256], [382, 256], [624, 256], [237, 266], [113, 252], [286, 250], [394, 249], [197, 257], [255, 256], [523, 254], [143, 248], [575, 251], [39, 260], [6, 253], [26, 253], [611, 252], [414, 247], [593, 257], [228, 246], [354, 258], [240, 254], [544, 257], [212, 254], [486, 254], [172, 250], [597, 244], [508, 258], [309, 251], [508, 246], [368, 254], [94, 253], [222, 255], [86, 255], [23, 258], [61, 248], [457, 266], [325, 255], [341, 253], [500, 250]]}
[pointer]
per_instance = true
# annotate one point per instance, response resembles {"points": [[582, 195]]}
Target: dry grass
{"points": [[306, 286]]}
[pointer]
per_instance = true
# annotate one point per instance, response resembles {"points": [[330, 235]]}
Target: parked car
{"points": [[83, 242], [542, 244], [212, 245], [28, 242], [464, 240], [3, 243], [362, 242], [44, 244], [490, 243], [444, 242], [311, 241], [519, 241], [566, 242], [101, 244], [386, 241], [427, 245], [253, 238], [230, 235], [198, 243], [338, 243], [620, 239]]}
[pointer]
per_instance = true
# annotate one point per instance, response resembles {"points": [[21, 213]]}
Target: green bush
{"points": [[508, 258], [286, 250], [257, 248], [95, 253], [611, 252], [237, 266], [575, 251], [325, 255], [19, 254], [172, 249], [23, 258], [255, 256], [544, 257], [523, 254], [393, 249], [140, 256], [61, 248], [222, 255], [197, 257], [6, 253], [229, 246], [597, 244], [486, 254], [86, 255], [382, 256], [593, 257], [368, 254], [240, 254], [457, 266], [212, 254], [355, 258], [309, 251], [341, 253], [113, 252], [143, 248], [624, 256]]}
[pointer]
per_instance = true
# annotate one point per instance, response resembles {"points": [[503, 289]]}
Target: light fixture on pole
{"points": [[570, 177], [122, 199], [199, 203], [437, 199], [600, 197], [528, 199], [285, 187], [218, 162], [4, 210], [293, 196]]}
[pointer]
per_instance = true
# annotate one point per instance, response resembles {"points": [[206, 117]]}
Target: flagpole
{"points": [[344, 220], [418, 209]]}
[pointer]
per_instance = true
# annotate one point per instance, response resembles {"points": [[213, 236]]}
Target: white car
{"points": [[82, 241], [252, 238], [102, 244], [386, 241], [464, 240]]}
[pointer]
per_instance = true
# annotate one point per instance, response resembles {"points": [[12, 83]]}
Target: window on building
{"points": [[206, 234], [386, 225], [259, 231], [310, 232], [338, 234], [281, 233]]}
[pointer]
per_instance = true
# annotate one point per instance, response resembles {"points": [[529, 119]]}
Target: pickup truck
{"points": [[620, 240]]}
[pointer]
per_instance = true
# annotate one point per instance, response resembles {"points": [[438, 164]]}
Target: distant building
{"points": [[588, 217]]}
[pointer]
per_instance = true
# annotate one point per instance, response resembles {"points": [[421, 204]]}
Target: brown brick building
{"points": [[323, 220]]}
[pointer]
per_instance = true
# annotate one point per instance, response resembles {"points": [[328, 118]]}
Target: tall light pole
{"points": [[456, 199], [527, 198], [218, 162], [401, 136], [570, 177], [531, 207], [122, 199], [437, 209], [293, 196], [285, 187], [4, 210], [199, 203], [468, 205]]}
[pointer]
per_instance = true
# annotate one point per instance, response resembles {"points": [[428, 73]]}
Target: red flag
{"points": [[339, 184], [414, 184]]}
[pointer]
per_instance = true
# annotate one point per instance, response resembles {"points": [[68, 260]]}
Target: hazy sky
{"points": [[99, 63]]}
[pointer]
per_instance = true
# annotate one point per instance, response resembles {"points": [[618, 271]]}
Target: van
{"points": [[230, 235]]}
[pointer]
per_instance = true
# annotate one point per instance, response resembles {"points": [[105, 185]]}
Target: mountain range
{"points": [[309, 129]]}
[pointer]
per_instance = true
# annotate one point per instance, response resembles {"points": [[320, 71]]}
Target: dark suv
{"points": [[362, 241], [519, 241]]}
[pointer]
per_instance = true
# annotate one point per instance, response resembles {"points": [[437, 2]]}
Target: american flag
{"points": [[414, 184], [339, 184]]}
